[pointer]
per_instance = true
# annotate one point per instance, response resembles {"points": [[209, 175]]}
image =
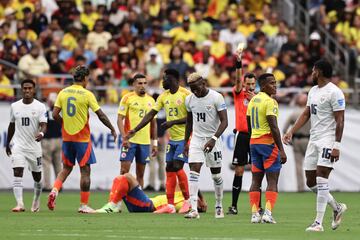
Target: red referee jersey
{"points": [[241, 102]]}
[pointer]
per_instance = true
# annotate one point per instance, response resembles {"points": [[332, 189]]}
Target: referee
{"points": [[243, 91]]}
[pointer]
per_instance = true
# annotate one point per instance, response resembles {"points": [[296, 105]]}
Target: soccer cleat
{"points": [[232, 211], [108, 208], [256, 218], [185, 207], [18, 208], [315, 227], [168, 208], [267, 217], [219, 213], [193, 214], [35, 206], [51, 200], [337, 215], [85, 209]]}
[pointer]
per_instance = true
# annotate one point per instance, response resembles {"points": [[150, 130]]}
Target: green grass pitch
{"points": [[293, 212]]}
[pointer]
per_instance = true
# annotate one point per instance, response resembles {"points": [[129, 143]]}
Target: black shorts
{"points": [[242, 149]]}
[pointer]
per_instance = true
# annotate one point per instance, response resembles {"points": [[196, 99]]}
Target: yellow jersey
{"points": [[174, 105], [161, 200], [260, 106], [74, 102], [134, 108]]}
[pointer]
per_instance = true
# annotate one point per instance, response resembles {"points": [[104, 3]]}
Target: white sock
{"points": [[18, 190], [331, 200], [119, 204], [218, 185], [193, 189], [322, 198], [37, 190]]}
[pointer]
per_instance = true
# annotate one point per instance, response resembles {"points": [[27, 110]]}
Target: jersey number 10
{"points": [[25, 121]]}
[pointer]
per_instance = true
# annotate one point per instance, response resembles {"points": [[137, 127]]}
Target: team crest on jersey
{"points": [[322, 99], [208, 107], [33, 113], [178, 102]]}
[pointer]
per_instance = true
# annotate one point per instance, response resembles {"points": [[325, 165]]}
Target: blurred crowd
{"points": [[121, 37]]}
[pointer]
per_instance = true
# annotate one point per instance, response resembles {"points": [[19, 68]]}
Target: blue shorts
{"points": [[174, 151], [80, 151], [141, 153], [265, 158], [137, 201]]}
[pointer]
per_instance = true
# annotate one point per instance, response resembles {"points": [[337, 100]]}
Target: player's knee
{"points": [[239, 170], [217, 178]]}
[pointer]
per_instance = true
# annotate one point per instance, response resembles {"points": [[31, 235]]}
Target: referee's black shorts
{"points": [[242, 149]]}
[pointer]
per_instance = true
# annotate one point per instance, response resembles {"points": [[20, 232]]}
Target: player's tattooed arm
{"points": [[188, 131], [339, 119], [105, 120], [40, 135], [223, 125], [302, 119], [56, 114], [10, 134], [275, 132], [169, 124], [148, 117]]}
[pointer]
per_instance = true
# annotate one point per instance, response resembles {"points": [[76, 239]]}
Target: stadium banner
{"points": [[344, 177]]}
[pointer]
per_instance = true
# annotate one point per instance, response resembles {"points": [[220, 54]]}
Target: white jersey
{"points": [[27, 119], [205, 113], [323, 102]]}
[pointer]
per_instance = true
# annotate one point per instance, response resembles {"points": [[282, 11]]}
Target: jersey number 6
{"points": [[71, 109]]}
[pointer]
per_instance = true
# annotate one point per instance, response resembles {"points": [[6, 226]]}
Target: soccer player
{"points": [[173, 101], [133, 107], [126, 188], [243, 91], [325, 108], [206, 120], [28, 121], [74, 103], [265, 146]]}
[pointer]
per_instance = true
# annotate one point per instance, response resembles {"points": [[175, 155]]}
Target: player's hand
{"points": [[125, 142], [114, 134], [335, 153], [8, 150], [209, 145], [130, 134], [167, 124], [287, 138], [283, 157], [39, 137], [186, 150], [250, 94], [154, 151], [202, 205]]}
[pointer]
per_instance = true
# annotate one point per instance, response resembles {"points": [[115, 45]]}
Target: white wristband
{"points": [[41, 133], [214, 137], [154, 143], [336, 145]]}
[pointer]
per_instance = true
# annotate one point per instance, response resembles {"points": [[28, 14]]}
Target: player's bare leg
{"points": [[140, 169], [255, 195], [61, 178], [194, 189], [85, 189], [18, 189], [271, 196], [37, 191]]}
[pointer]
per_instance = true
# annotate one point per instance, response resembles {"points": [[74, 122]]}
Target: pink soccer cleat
{"points": [[185, 207], [168, 208]]}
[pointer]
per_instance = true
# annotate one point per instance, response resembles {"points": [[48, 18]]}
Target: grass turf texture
{"points": [[293, 213]]}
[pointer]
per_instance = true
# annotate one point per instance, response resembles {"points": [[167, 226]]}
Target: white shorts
{"points": [[212, 159], [19, 159], [318, 154]]}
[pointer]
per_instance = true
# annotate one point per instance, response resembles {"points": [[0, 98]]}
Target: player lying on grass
{"points": [[126, 188]]}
